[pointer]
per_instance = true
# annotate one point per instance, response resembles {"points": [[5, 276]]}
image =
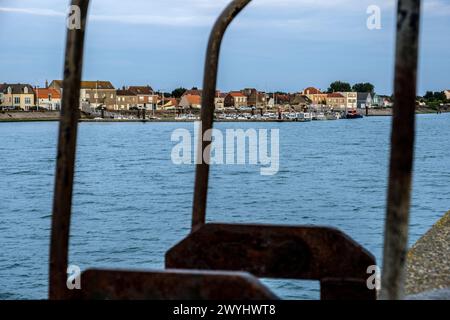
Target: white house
{"points": [[48, 98], [364, 100], [447, 94]]}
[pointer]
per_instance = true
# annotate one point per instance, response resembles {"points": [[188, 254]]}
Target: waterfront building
{"points": [[190, 101], [126, 99], [447, 94], [95, 93], [315, 95], [300, 102], [235, 99], [378, 101], [145, 96], [335, 100], [254, 97], [385, 101], [16, 96], [170, 104], [219, 100], [364, 100], [270, 102], [48, 98], [282, 99], [351, 100], [193, 92], [1, 94]]}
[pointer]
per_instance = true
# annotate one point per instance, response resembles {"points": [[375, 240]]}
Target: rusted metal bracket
{"points": [[271, 251], [170, 285]]}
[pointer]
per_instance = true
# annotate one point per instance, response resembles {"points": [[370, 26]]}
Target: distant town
{"points": [[100, 100]]}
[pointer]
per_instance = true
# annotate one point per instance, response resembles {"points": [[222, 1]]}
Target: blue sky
{"points": [[273, 45]]}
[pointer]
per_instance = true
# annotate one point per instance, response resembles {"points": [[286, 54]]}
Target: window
{"points": [[27, 100], [25, 90], [16, 100]]}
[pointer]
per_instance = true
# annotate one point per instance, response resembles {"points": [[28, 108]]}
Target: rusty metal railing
{"points": [[294, 252], [402, 145], [402, 149], [65, 162], [118, 284], [207, 112], [305, 243]]}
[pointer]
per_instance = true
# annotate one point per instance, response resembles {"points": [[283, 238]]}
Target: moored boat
{"points": [[319, 116], [303, 116], [353, 114]]}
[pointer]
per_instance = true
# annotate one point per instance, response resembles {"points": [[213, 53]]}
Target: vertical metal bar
{"points": [[62, 202], [402, 149], [207, 112]]}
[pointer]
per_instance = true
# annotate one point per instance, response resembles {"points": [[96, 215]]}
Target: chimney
{"points": [[46, 84]]}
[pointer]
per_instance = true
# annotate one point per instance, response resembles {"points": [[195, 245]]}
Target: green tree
{"points": [[440, 96], [431, 96], [178, 92], [364, 87], [339, 86]]}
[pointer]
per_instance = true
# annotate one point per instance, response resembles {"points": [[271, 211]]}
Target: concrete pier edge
{"points": [[428, 263]]}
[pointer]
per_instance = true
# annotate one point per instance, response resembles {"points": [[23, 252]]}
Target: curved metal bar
{"points": [[402, 150], [207, 112], [62, 202]]}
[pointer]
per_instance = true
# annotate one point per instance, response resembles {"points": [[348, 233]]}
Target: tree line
{"points": [[341, 86]]}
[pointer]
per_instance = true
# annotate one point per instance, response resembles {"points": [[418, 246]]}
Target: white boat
{"points": [[319, 116], [290, 116], [270, 115], [333, 116], [303, 116], [185, 117]]}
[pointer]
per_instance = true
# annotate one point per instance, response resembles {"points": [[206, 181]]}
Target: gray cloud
{"points": [[201, 13]]}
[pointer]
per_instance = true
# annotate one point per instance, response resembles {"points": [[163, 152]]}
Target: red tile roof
{"points": [[311, 90], [335, 95], [88, 84], [144, 90], [173, 101], [193, 99], [193, 92], [125, 92], [237, 94], [44, 93]]}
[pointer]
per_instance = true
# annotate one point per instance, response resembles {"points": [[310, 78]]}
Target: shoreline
{"points": [[54, 116]]}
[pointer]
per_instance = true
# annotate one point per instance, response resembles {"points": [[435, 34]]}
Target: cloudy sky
{"points": [[272, 45]]}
